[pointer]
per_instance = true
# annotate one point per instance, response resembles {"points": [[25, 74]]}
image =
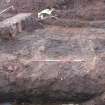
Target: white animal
{"points": [[45, 13]]}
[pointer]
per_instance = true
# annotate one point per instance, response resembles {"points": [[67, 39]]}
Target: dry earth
{"points": [[52, 49], [68, 56]]}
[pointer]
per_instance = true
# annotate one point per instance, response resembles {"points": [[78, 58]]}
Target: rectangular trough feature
{"points": [[13, 25]]}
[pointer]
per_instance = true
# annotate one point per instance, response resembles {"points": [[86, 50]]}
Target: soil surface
{"points": [[65, 58]]}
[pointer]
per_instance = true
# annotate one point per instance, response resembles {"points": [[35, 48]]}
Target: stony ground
{"points": [[60, 40], [56, 43]]}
